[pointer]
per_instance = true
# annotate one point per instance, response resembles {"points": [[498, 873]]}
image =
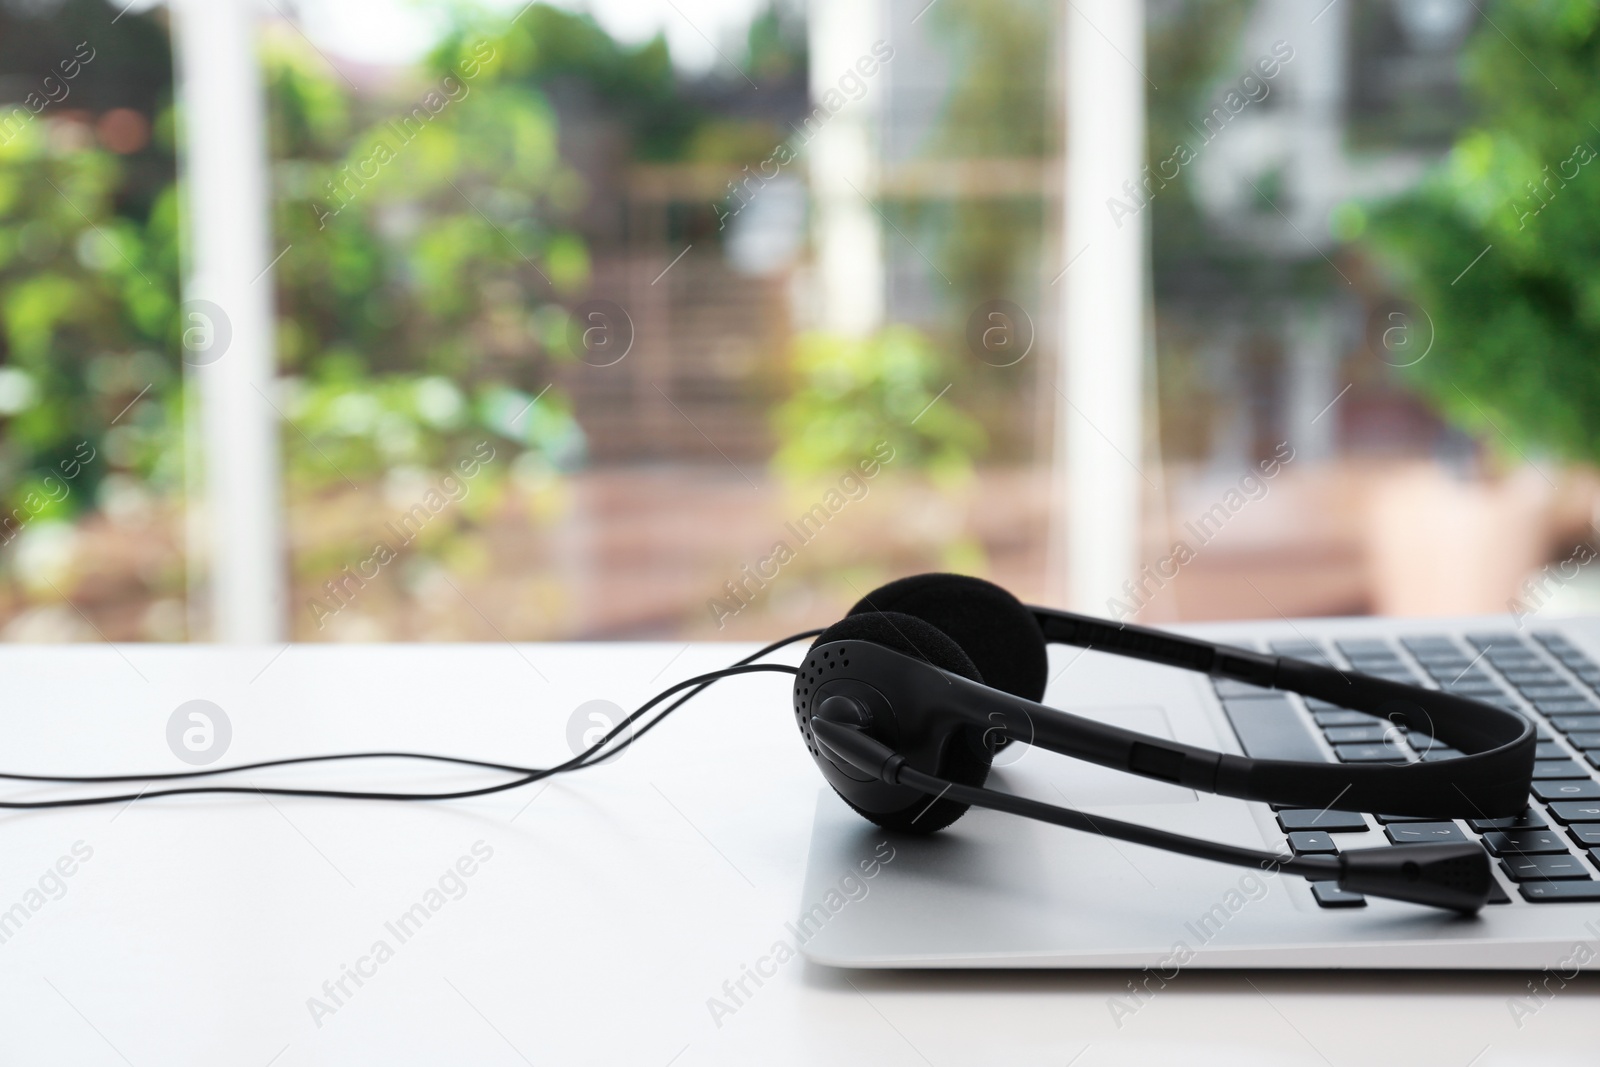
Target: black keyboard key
{"points": [[1311, 841], [1272, 729], [1593, 756], [1585, 738], [1296, 648], [1375, 754], [1569, 724], [1497, 893], [1471, 680], [1360, 735], [1329, 895], [1552, 639], [1228, 688], [1553, 692], [1482, 641], [1567, 707], [1594, 856], [1442, 654], [1386, 819], [1557, 768], [1551, 750], [1586, 834], [1342, 717], [1532, 677], [1567, 789], [1430, 640], [1472, 688], [1502, 842], [1570, 811], [1552, 892], [1528, 820], [1435, 753], [1334, 822], [1426, 833], [1516, 660], [1538, 868], [1364, 646]]}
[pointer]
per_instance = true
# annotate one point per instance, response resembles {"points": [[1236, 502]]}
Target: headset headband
{"points": [[1489, 780]]}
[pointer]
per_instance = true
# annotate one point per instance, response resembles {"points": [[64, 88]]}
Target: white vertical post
{"points": [[1099, 436], [224, 167], [843, 168]]}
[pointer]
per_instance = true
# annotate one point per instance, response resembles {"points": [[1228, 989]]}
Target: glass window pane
{"points": [[584, 333], [92, 473]]}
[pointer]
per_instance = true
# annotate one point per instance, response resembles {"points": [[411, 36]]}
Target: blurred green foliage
{"points": [[419, 299], [1515, 336], [1195, 45], [849, 393], [999, 108], [427, 258], [87, 304]]}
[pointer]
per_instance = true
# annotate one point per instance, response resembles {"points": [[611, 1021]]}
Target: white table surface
{"points": [[615, 904]]}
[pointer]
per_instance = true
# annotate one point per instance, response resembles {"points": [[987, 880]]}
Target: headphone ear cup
{"points": [[995, 629], [966, 758]]}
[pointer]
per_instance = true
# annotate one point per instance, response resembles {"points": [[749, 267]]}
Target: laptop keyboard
{"points": [[1550, 853]]}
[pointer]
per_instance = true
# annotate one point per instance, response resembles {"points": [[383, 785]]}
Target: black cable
{"points": [[1315, 867], [528, 775], [461, 760], [676, 704]]}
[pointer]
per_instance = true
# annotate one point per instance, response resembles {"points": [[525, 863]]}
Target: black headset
{"points": [[904, 702]]}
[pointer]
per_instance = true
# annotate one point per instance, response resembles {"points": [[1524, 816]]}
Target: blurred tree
{"points": [[1191, 43], [999, 108], [88, 257], [427, 260], [1203, 277], [550, 49], [848, 394], [1500, 247]]}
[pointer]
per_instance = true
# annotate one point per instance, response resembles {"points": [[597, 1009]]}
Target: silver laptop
{"points": [[998, 891]]}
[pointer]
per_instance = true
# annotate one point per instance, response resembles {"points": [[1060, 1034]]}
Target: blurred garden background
{"points": [[565, 251]]}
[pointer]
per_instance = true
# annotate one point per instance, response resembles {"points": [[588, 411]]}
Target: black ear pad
{"points": [[966, 758], [904, 633], [994, 628]]}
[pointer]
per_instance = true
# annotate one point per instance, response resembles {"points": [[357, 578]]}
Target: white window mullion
{"points": [[224, 175]]}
